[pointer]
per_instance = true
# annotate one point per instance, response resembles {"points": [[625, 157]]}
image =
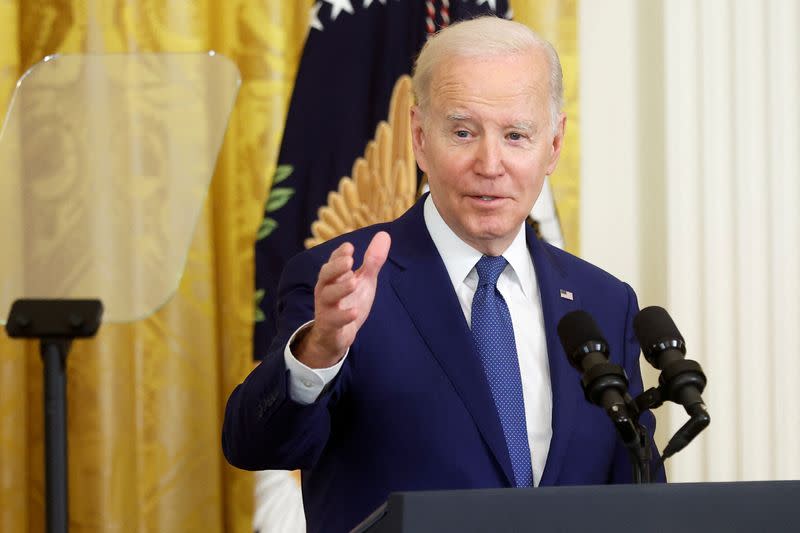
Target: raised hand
{"points": [[342, 301]]}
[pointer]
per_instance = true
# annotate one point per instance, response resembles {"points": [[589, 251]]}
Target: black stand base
{"points": [[54, 357], [55, 323]]}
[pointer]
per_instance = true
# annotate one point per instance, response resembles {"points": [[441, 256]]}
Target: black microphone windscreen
{"points": [[654, 325], [577, 328]]}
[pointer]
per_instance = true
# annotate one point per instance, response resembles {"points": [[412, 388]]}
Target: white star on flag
{"points": [[337, 6], [567, 295], [492, 4], [368, 3], [314, 18]]}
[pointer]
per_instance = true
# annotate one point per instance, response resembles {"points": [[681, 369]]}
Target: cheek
{"points": [[445, 170], [532, 166], [457, 165]]}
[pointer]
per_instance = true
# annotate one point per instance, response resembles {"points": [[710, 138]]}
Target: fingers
{"points": [[343, 298], [339, 263], [335, 294], [376, 254], [344, 249], [336, 281], [335, 291], [338, 318]]}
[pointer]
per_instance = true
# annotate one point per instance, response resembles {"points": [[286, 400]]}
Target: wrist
{"points": [[309, 349]]}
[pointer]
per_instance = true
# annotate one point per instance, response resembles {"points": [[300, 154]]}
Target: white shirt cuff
{"points": [[305, 383]]}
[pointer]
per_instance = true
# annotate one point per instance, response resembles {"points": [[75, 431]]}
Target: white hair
{"points": [[485, 37]]}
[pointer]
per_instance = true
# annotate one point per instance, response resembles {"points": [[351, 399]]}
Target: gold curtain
{"points": [[145, 401], [557, 21]]}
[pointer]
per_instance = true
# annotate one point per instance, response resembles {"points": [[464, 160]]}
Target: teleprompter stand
{"points": [[55, 323], [105, 163]]}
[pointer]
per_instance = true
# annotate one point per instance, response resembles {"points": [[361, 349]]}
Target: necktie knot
{"points": [[489, 269]]}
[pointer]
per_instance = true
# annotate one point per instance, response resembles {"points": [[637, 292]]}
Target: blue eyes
{"points": [[513, 136]]}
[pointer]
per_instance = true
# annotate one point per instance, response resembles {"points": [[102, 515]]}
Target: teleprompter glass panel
{"points": [[105, 163]]}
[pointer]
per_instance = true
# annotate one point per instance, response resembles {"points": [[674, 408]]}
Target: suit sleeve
{"points": [[263, 427], [622, 471]]}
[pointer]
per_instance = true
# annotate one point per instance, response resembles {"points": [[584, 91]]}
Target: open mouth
{"points": [[486, 198]]}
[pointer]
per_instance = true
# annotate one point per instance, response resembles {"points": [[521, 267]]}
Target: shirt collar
{"points": [[459, 257]]}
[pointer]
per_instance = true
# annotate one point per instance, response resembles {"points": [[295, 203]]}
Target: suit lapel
{"points": [[565, 381], [425, 290]]}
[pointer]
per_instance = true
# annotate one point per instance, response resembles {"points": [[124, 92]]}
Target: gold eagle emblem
{"points": [[382, 184]]}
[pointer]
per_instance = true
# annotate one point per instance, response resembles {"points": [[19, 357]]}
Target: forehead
{"points": [[514, 82]]}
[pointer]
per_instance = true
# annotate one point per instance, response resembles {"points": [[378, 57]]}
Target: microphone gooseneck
{"points": [[604, 383], [682, 380]]}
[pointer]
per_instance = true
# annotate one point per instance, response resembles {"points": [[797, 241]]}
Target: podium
{"points": [[685, 507]]}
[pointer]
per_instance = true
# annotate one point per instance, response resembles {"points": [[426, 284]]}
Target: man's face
{"points": [[486, 143]]}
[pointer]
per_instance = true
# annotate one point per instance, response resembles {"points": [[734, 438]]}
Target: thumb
{"points": [[376, 254]]}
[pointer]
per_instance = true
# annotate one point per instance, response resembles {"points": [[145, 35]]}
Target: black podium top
{"points": [[684, 507]]}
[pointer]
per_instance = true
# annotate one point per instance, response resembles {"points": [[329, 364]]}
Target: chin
{"points": [[486, 235], [491, 229]]}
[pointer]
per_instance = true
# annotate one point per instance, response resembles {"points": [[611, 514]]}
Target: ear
{"points": [[418, 140], [558, 142]]}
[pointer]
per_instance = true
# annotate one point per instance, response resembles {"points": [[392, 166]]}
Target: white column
{"points": [[621, 188], [684, 213], [607, 40], [783, 189], [739, 299]]}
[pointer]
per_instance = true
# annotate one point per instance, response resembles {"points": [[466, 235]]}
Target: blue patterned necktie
{"points": [[494, 338]]}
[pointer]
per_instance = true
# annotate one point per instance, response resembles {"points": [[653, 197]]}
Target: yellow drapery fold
{"points": [[145, 401]]}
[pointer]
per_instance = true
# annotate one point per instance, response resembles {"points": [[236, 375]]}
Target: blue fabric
{"points": [[493, 333]]}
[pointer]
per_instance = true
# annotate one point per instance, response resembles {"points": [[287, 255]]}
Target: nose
{"points": [[489, 158]]}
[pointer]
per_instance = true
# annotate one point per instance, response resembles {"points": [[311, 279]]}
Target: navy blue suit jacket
{"points": [[410, 408]]}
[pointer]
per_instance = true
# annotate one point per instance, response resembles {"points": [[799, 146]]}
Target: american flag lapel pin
{"points": [[567, 295]]}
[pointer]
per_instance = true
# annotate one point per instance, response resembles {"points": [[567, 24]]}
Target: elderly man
{"points": [[435, 364]]}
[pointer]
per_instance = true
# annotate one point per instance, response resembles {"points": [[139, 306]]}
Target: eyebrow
{"points": [[458, 117], [526, 125], [462, 117]]}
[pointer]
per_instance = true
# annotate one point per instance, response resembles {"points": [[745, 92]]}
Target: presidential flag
{"points": [[355, 53]]}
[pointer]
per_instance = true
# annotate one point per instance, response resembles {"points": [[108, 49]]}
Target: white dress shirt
{"points": [[520, 290]]}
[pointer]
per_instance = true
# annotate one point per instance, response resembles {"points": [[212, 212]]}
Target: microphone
{"points": [[682, 379], [604, 383]]}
